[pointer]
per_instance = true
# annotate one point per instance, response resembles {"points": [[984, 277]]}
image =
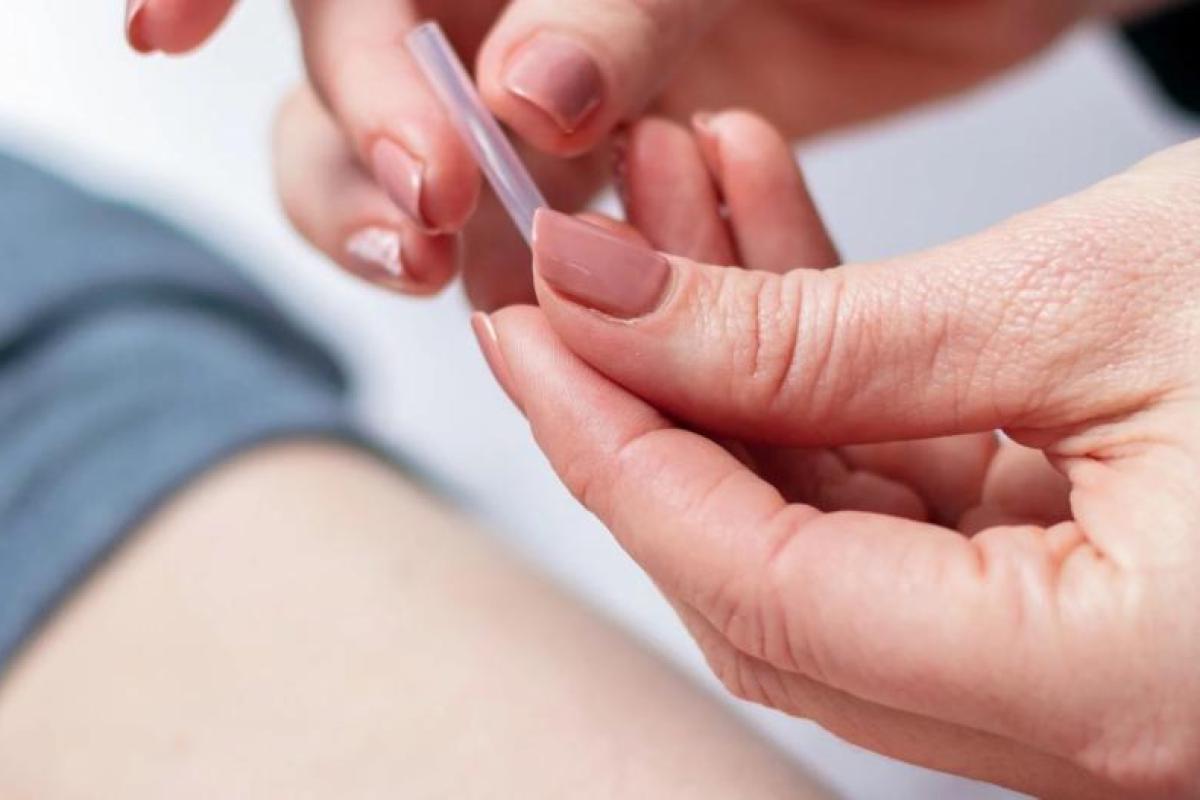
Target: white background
{"points": [[189, 137]]}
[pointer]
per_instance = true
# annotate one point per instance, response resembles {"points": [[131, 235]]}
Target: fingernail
{"points": [[377, 254], [134, 32], [485, 333], [557, 75], [709, 141], [596, 268], [402, 176]]}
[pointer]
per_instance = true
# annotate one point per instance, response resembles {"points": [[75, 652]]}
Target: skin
{"points": [[1018, 614], [809, 66], [304, 622], [1023, 613]]}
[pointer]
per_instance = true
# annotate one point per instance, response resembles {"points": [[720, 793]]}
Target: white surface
{"points": [[190, 138]]}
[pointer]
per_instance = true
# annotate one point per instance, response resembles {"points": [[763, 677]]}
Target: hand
{"points": [[1027, 615], [373, 174]]}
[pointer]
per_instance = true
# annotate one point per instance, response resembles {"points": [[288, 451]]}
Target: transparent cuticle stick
{"points": [[479, 130]]}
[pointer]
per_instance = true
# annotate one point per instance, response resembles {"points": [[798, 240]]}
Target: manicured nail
{"points": [[485, 333], [377, 254], [596, 268], [134, 29], [402, 176], [557, 75]]}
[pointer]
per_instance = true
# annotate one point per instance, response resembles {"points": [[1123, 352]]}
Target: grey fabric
{"points": [[131, 358]]}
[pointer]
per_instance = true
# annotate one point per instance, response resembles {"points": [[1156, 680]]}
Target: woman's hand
{"points": [[387, 199], [1027, 615]]}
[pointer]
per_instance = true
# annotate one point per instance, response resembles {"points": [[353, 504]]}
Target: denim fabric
{"points": [[131, 358]]}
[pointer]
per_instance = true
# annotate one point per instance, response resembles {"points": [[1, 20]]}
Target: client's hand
{"points": [[374, 175], [1028, 615]]}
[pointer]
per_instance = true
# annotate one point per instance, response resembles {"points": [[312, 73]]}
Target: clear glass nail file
{"points": [[479, 130]]}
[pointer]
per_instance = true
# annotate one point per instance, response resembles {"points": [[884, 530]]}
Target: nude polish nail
{"points": [[402, 176], [133, 27], [555, 74], [597, 269], [489, 345], [377, 254]]}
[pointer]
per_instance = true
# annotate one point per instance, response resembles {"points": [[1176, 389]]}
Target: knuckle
{"points": [[794, 645], [595, 483], [755, 612], [759, 320], [777, 342], [807, 345]]}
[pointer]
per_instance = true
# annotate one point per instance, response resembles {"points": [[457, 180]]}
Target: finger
{"points": [[669, 195], [772, 215], [914, 348], [911, 738], [172, 26], [670, 179], [359, 67], [822, 479], [496, 269], [778, 228], [564, 74], [341, 211], [895, 612], [496, 274], [1021, 487], [948, 473]]}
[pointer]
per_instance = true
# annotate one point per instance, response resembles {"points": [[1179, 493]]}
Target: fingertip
{"points": [[513, 323], [670, 195], [135, 27], [742, 132], [549, 88], [530, 351], [398, 258], [431, 262], [173, 26], [772, 214], [489, 346], [427, 172]]}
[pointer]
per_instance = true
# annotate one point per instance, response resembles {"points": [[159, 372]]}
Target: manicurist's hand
{"points": [[803, 460], [373, 173]]}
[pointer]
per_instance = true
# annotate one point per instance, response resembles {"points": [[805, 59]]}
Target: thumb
{"points": [[1022, 327], [564, 74]]}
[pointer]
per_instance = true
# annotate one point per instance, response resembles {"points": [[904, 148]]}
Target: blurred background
{"points": [[190, 139]]}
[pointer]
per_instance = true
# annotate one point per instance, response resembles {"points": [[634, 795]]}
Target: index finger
{"points": [[357, 62]]}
